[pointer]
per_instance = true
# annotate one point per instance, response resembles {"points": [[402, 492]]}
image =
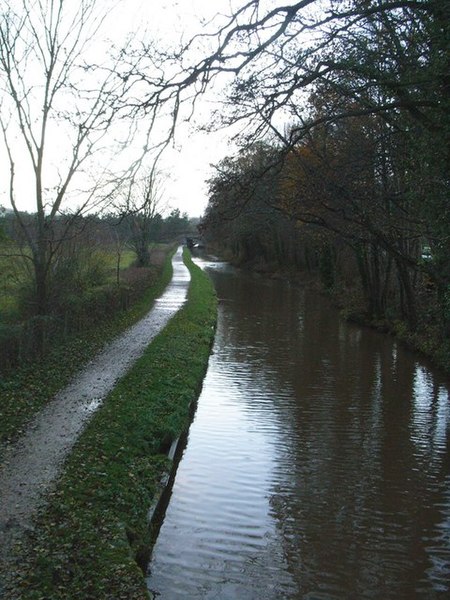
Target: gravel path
{"points": [[33, 463]]}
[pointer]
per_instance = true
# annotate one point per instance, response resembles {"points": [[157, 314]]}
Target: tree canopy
{"points": [[353, 98]]}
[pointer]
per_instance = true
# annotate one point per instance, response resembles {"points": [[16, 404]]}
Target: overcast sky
{"points": [[188, 163]]}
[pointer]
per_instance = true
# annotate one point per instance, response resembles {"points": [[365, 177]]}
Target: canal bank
{"points": [[90, 540]]}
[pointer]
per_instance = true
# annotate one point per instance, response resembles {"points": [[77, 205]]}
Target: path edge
{"points": [[118, 570]]}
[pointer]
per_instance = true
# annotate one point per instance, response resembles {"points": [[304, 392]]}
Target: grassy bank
{"points": [[26, 390], [90, 541]]}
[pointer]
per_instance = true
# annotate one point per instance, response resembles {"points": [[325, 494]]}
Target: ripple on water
{"points": [[314, 464]]}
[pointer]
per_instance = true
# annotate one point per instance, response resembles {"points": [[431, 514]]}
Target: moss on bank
{"points": [[26, 390], [90, 540]]}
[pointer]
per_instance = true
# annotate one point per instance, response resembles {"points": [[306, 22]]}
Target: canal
{"points": [[317, 466]]}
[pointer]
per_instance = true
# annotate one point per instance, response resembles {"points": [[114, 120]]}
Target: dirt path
{"points": [[32, 465]]}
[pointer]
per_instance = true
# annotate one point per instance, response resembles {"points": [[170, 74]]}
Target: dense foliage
{"points": [[360, 177]]}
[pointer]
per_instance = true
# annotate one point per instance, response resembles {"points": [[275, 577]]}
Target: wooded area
{"points": [[342, 113], [101, 270], [356, 186]]}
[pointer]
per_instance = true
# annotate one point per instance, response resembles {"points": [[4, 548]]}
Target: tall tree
{"points": [[57, 110], [377, 64]]}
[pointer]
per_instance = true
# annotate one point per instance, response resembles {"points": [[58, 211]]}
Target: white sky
{"points": [[187, 162], [187, 165]]}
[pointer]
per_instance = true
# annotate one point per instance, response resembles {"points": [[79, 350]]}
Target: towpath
{"points": [[32, 465]]}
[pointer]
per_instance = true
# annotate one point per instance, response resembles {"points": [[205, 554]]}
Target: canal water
{"points": [[317, 466]]}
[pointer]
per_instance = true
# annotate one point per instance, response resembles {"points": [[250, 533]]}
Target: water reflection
{"points": [[317, 465]]}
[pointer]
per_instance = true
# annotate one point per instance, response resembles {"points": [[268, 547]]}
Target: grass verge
{"points": [[94, 534], [24, 392]]}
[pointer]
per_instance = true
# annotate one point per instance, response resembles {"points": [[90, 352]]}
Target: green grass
{"points": [[12, 274], [27, 389], [127, 259], [90, 540]]}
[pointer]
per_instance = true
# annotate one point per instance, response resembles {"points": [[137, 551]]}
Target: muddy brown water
{"points": [[317, 465]]}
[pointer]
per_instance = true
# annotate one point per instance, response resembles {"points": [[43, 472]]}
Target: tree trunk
{"points": [[407, 300]]}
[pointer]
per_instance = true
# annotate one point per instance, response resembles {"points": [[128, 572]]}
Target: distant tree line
{"points": [[106, 230], [88, 280]]}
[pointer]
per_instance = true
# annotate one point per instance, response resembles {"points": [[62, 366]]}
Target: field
{"points": [[85, 285], [27, 382]]}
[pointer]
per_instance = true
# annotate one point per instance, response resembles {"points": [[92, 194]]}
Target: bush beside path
{"points": [[24, 391]]}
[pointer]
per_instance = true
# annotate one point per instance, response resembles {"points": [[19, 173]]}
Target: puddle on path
{"points": [[31, 465]]}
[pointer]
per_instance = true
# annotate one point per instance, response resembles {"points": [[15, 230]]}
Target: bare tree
{"points": [[296, 67], [273, 53], [139, 210], [57, 111], [292, 67]]}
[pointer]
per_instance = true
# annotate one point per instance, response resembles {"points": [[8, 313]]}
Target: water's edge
{"points": [[316, 460]]}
